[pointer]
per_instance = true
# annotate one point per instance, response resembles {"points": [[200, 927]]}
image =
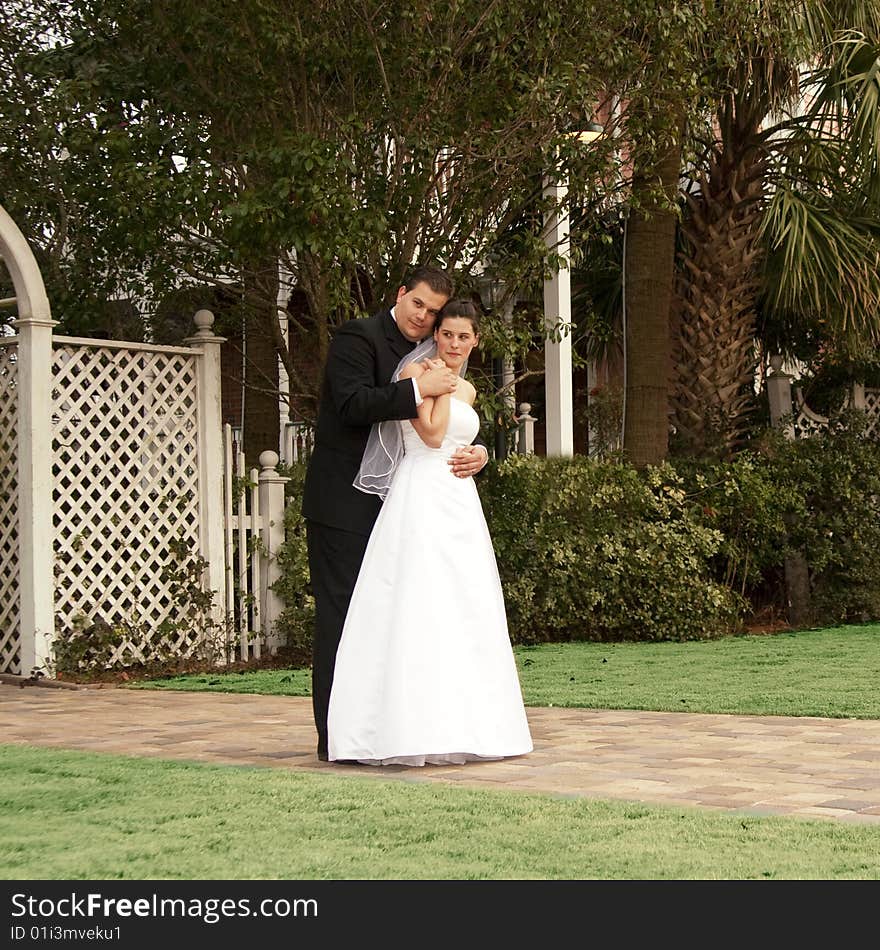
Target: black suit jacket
{"points": [[356, 392]]}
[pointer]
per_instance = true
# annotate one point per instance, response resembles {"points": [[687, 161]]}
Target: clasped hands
{"points": [[436, 378], [468, 460]]}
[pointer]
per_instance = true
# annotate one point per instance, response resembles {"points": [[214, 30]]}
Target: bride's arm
{"points": [[433, 411], [433, 420]]}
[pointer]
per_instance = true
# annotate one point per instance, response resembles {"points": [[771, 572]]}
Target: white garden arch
{"points": [[30, 292], [28, 550]]}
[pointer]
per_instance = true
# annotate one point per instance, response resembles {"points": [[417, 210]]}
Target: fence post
{"points": [[797, 569], [211, 457], [525, 443], [779, 394], [858, 397], [272, 537], [35, 551]]}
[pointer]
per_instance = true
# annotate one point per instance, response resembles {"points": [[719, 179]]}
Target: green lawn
{"points": [[76, 815], [831, 672]]}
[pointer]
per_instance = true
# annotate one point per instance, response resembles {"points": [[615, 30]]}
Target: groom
{"points": [[356, 393]]}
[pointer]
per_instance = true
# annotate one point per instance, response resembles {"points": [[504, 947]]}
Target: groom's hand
{"points": [[468, 460], [437, 381]]}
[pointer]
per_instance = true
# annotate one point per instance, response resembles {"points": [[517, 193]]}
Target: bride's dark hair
{"points": [[460, 307]]}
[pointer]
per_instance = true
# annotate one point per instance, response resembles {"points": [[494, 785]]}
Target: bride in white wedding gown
{"points": [[425, 672]]}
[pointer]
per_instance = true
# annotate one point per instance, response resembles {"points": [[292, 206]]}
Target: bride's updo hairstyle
{"points": [[459, 308]]}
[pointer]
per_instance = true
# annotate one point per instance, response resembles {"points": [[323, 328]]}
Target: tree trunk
{"points": [[262, 418], [714, 350], [649, 259]]}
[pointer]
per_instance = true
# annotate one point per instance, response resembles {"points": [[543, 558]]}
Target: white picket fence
{"points": [[297, 439], [254, 506]]}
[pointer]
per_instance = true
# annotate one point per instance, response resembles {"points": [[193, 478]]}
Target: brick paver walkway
{"points": [[817, 768]]}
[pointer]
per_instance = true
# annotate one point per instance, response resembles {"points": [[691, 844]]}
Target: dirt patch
{"points": [[770, 620], [282, 660]]}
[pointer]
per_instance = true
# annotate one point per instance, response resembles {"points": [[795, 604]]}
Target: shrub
{"points": [[297, 620], [749, 504], [598, 551], [816, 498], [835, 517]]}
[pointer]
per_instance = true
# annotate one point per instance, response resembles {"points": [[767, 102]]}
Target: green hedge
{"points": [[818, 498], [600, 551]]}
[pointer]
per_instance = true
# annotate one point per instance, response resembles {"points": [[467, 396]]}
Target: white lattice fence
{"points": [[806, 422], [10, 659], [126, 482], [872, 410], [789, 409], [136, 474]]}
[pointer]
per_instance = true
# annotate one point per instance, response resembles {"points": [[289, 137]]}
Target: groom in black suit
{"points": [[356, 393]]}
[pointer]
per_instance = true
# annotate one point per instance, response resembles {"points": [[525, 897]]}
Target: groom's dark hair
{"points": [[438, 280]]}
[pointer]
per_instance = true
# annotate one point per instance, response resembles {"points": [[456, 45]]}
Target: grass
{"points": [[829, 672], [78, 815]]}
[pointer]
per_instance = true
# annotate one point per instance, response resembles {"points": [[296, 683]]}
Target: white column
{"points": [[36, 625], [557, 324], [284, 283], [211, 457]]}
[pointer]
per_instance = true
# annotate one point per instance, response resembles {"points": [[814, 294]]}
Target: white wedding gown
{"points": [[425, 672]]}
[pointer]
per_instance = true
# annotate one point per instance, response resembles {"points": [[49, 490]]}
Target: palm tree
{"points": [[779, 209]]}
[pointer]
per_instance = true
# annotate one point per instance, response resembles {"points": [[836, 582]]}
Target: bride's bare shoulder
{"points": [[467, 391]]}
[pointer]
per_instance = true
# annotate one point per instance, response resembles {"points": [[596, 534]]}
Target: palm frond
{"points": [[844, 95], [825, 261]]}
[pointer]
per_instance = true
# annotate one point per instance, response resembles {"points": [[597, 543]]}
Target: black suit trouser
{"points": [[335, 558]]}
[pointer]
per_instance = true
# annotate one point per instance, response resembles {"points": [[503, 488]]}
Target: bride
{"points": [[425, 672]]}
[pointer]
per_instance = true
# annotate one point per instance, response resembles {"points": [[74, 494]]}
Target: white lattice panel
{"points": [[872, 411], [126, 480], [806, 422], [10, 657]]}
